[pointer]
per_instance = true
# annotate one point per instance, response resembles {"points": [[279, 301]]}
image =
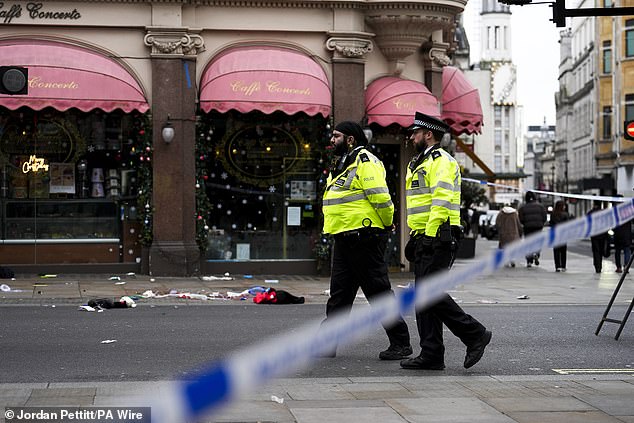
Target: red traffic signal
{"points": [[628, 130]]}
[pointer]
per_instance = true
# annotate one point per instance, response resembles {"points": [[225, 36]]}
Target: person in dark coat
{"points": [[560, 214], [622, 245], [532, 216], [598, 241]]}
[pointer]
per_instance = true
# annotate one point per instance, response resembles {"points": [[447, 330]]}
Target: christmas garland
{"points": [[143, 149], [203, 152]]}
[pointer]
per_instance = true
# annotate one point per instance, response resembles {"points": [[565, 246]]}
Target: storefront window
{"points": [[69, 178], [261, 178]]}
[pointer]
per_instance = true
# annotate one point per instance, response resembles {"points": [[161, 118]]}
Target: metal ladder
{"points": [[621, 322]]}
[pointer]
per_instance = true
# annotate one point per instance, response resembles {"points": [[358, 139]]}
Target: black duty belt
{"points": [[359, 232]]}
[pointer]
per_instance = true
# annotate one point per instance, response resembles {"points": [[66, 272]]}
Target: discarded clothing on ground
{"points": [[123, 302], [277, 296], [6, 273]]}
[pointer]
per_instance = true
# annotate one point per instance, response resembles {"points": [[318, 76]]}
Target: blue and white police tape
{"points": [[553, 193], [248, 369]]}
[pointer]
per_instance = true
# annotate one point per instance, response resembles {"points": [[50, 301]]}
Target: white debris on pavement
{"points": [[217, 278], [277, 399]]}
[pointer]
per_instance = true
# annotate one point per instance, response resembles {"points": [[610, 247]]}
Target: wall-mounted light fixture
{"points": [[167, 132]]}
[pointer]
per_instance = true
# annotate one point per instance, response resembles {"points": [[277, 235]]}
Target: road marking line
{"points": [[586, 371]]}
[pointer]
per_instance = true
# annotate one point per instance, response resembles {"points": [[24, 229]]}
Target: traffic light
{"points": [[14, 80], [559, 13], [628, 130]]}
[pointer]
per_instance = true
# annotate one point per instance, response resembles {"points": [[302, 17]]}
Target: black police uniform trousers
{"points": [[359, 262], [431, 319]]}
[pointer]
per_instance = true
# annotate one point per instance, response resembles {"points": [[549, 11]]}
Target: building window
{"points": [[497, 37], [488, 37], [608, 3], [629, 107], [497, 116], [607, 57], [629, 38], [497, 136], [607, 123]]}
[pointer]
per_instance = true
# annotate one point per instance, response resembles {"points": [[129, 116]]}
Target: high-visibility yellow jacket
{"points": [[432, 189], [358, 197]]}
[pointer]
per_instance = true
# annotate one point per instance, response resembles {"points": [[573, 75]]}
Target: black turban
{"points": [[352, 129]]}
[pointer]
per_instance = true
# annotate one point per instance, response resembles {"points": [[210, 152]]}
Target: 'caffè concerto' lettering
{"points": [[35, 11], [405, 105], [36, 82], [275, 87]]}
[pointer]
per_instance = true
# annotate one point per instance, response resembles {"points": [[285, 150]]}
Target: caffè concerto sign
{"points": [[35, 11]]}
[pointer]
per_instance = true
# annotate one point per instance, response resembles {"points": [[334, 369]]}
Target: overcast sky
{"points": [[536, 55], [535, 42]]}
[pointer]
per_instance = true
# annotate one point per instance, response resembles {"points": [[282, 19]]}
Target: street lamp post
{"points": [[566, 174]]}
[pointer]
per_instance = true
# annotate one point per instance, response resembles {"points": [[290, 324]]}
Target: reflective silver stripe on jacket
{"points": [[380, 190], [446, 185], [417, 191], [349, 199], [346, 185], [446, 204], [382, 205], [417, 210]]}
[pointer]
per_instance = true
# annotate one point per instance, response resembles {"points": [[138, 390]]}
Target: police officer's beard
{"points": [[420, 146], [340, 149]]}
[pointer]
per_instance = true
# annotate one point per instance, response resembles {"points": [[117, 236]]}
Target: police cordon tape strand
{"points": [[553, 193], [250, 368]]}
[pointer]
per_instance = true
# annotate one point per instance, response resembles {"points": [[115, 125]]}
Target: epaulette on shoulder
{"points": [[435, 154], [364, 157]]}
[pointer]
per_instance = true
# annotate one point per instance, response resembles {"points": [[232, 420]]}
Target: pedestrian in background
{"points": [[560, 214], [598, 241], [432, 187], [509, 227], [358, 211], [533, 217], [622, 244]]}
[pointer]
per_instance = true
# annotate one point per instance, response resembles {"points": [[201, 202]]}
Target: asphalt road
{"points": [[63, 344]]}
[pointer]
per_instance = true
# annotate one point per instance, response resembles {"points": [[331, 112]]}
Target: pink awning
{"points": [[461, 108], [267, 79], [391, 100], [64, 76]]}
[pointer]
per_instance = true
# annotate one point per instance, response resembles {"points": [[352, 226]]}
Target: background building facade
{"points": [[250, 92]]}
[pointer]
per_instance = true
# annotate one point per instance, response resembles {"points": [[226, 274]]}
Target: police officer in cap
{"points": [[433, 214], [358, 211]]}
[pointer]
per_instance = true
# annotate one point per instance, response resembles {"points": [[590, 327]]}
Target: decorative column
{"points": [[174, 251], [435, 58], [348, 73]]}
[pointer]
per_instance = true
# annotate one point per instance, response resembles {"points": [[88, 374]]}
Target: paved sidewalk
{"points": [[579, 285], [426, 397]]}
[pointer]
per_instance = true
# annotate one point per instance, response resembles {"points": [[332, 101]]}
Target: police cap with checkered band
{"points": [[423, 121]]}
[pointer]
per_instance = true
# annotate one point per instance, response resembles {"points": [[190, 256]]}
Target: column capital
{"points": [[436, 56], [349, 46], [173, 42]]}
